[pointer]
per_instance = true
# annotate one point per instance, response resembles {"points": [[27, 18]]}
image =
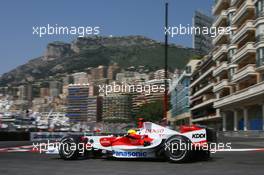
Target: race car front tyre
{"points": [[68, 148], [176, 149]]}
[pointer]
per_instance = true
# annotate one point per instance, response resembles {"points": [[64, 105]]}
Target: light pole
{"points": [[165, 103]]}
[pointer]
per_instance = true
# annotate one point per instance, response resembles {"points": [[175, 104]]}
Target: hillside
{"points": [[63, 58]]}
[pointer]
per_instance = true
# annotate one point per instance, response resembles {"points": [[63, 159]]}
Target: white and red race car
{"points": [[149, 141]]}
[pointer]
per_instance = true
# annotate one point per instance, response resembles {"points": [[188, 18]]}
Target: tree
{"points": [[196, 57], [151, 112]]}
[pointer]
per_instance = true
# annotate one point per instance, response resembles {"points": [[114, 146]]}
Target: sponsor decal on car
{"points": [[129, 154], [155, 131], [198, 136]]}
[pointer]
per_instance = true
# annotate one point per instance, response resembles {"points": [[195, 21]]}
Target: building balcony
{"points": [[259, 21], [236, 2], [202, 76], [221, 51], [246, 11], [248, 29], [221, 85], [202, 90], [245, 51], [260, 61], [206, 118], [259, 45], [260, 67], [245, 94], [220, 5], [221, 20], [259, 14], [203, 104], [246, 71], [259, 41], [221, 39], [222, 67]]}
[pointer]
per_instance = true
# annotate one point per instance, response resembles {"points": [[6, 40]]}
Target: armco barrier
{"points": [[14, 136], [52, 136], [55, 136], [43, 136]]}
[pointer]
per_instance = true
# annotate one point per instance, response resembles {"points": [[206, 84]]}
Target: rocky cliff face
{"points": [[95, 42], [57, 50]]}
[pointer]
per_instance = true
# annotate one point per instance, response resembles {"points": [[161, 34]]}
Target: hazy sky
{"points": [[115, 17]]}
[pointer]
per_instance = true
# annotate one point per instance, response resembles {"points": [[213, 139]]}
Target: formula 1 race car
{"points": [[148, 141]]}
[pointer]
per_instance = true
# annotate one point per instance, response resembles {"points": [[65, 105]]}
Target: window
{"points": [[259, 8], [231, 53], [232, 71], [188, 69], [260, 56], [259, 32], [229, 19]]}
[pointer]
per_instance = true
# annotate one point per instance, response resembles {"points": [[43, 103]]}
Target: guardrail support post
{"points": [[235, 119], [245, 115], [224, 121], [263, 116]]}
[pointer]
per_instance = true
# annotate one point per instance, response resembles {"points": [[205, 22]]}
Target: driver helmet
{"points": [[131, 131]]}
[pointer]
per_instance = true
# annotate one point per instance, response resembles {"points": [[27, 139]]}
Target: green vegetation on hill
{"points": [[152, 112]]}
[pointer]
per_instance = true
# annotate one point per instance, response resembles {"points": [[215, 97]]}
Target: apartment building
{"points": [[25, 92], [202, 97], [80, 78], [131, 77], [116, 108], [55, 88], [179, 96], [77, 108], [202, 43], [160, 74], [138, 100], [239, 58], [94, 109], [112, 71], [158, 94], [98, 73]]}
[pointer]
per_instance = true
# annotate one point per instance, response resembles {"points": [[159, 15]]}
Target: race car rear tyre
{"points": [[176, 149], [68, 148]]}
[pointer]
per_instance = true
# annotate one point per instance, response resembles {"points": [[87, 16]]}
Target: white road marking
{"points": [[238, 150]]}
